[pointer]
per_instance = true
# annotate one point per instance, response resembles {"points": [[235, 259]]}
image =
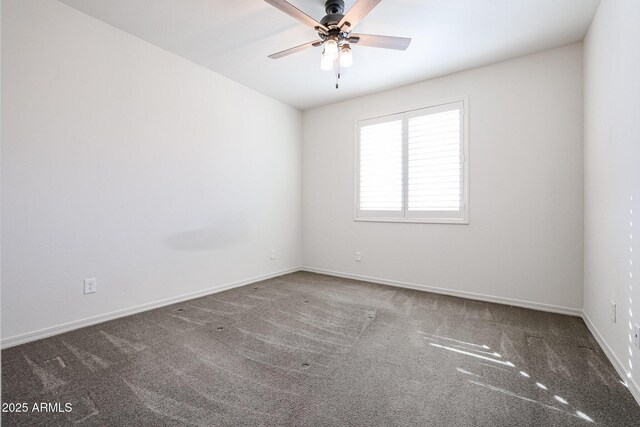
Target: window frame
{"points": [[406, 216]]}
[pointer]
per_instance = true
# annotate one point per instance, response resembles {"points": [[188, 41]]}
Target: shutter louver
{"points": [[435, 166], [381, 180]]}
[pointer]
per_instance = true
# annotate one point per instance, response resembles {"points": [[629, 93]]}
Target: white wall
{"points": [[524, 241], [126, 163], [612, 180], [0, 167]]}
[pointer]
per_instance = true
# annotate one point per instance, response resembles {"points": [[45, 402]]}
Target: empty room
{"points": [[320, 212]]}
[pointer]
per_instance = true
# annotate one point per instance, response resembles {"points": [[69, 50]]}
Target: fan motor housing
{"points": [[334, 7], [331, 20], [335, 12]]}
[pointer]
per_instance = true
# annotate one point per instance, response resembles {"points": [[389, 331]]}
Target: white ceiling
{"points": [[234, 37]]}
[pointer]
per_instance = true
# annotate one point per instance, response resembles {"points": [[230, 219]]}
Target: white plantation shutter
{"points": [[435, 162], [412, 166], [380, 160]]}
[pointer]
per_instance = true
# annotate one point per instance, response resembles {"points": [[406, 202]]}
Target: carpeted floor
{"points": [[312, 350]]}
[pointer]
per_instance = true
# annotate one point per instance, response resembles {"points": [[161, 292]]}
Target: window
{"points": [[412, 167]]}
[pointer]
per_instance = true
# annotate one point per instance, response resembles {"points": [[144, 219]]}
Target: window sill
{"points": [[415, 220]]}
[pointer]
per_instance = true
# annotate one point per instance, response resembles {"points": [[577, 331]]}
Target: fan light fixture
{"points": [[331, 48], [326, 62], [346, 56]]}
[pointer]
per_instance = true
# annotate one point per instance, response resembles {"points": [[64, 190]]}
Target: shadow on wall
{"points": [[227, 229]]}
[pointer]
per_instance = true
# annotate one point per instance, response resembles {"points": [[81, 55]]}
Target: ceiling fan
{"points": [[334, 32]]}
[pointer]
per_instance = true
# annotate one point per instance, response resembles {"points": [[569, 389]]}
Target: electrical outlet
{"points": [[90, 286], [635, 335], [612, 311], [272, 254], [358, 256]]}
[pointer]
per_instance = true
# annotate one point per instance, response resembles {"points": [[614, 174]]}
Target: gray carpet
{"points": [[312, 350]]}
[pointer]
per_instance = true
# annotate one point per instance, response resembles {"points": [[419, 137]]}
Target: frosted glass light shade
{"points": [[331, 48], [326, 63], [346, 57]]}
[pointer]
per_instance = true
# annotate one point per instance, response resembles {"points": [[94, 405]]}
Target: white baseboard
{"points": [[462, 294], [622, 371], [77, 324]]}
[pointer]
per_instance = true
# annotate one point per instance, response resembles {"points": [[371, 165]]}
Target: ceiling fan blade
{"points": [[358, 11], [385, 42], [296, 49], [296, 13]]}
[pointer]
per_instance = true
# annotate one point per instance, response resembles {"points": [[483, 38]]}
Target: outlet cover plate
{"points": [[90, 286]]}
